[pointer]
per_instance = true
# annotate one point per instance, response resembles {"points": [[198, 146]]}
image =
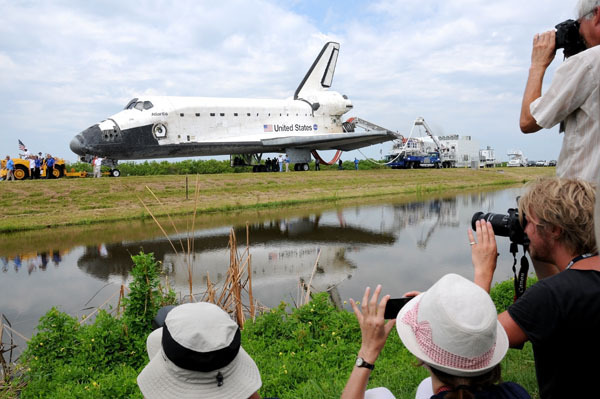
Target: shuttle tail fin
{"points": [[320, 75]]}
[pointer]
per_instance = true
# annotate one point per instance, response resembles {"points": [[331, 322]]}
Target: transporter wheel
{"points": [[304, 167], [20, 172], [57, 172], [115, 173]]}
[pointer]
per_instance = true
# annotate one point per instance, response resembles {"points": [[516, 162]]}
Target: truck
{"points": [[446, 154], [22, 170], [411, 155], [516, 158], [487, 158], [414, 153], [408, 161]]}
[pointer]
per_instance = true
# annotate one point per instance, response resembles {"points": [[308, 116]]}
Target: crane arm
{"points": [[420, 121]]}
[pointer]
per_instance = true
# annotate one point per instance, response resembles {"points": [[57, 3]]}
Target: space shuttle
{"points": [[164, 127]]}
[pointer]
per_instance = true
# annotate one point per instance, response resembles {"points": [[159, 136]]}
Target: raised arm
{"points": [[484, 254], [542, 55], [374, 331]]}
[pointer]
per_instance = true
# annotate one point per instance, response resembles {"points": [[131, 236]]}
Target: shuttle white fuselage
{"points": [[162, 127]]}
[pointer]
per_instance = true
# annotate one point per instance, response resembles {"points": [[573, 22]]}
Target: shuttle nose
{"points": [[77, 146], [84, 142]]}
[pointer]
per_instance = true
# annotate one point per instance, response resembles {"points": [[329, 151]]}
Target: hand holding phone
{"points": [[394, 305]]}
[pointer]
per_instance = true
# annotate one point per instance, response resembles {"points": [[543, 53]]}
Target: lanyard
{"points": [[580, 257]]}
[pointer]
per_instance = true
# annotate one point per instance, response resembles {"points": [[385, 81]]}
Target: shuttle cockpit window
{"points": [[148, 105], [139, 105], [131, 104]]}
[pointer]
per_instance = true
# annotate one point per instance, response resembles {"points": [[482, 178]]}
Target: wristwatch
{"points": [[360, 362]]}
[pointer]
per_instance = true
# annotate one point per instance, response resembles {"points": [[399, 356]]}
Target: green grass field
{"points": [[28, 205]]}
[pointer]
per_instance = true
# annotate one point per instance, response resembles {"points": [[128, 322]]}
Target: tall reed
{"points": [[235, 296]]}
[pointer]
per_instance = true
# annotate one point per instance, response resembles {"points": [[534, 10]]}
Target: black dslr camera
{"points": [[509, 226], [568, 38], [504, 225]]}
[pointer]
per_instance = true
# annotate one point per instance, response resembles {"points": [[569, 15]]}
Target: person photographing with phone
{"points": [[573, 98], [451, 328]]}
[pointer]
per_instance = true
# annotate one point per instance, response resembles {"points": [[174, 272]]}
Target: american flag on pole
{"points": [[22, 146], [268, 128]]}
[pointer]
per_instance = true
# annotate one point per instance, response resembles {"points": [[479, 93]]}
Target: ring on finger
{"points": [[472, 243]]}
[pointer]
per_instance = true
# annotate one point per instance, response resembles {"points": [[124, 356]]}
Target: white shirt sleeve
{"points": [[571, 86]]}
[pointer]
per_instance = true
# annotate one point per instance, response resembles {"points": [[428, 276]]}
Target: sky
{"points": [[460, 64]]}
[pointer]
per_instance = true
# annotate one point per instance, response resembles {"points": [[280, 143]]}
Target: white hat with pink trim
{"points": [[453, 327]]}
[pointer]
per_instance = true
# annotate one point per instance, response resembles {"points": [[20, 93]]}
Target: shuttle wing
{"points": [[336, 141]]}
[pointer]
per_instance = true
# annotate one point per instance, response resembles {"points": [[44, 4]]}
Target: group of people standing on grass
{"points": [[278, 164], [36, 164], [453, 328], [282, 162]]}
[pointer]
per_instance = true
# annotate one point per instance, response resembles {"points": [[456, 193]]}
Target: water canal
{"points": [[403, 246]]}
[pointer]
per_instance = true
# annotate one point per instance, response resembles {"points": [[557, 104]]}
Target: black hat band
{"points": [[199, 361]]}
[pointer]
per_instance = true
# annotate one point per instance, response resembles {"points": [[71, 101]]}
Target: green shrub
{"points": [[209, 166], [98, 360], [145, 297]]}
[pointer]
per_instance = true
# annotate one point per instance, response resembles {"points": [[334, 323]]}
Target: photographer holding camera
{"points": [[573, 97], [558, 314]]}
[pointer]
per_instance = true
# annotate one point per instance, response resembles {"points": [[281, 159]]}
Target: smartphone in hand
{"points": [[394, 305]]}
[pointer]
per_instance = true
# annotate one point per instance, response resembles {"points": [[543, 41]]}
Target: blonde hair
{"points": [[564, 203]]}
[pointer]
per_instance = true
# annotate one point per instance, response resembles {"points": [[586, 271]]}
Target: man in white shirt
{"points": [[31, 166], [97, 162], [573, 99]]}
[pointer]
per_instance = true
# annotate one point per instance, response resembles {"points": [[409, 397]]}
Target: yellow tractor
{"points": [[22, 170]]}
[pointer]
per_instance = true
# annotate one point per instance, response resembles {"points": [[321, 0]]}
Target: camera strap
{"points": [[520, 280]]}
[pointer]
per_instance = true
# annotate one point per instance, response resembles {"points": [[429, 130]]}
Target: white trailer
{"points": [[465, 148], [487, 158]]}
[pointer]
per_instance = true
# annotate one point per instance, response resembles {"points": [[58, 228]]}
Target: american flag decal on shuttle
{"points": [[268, 128]]}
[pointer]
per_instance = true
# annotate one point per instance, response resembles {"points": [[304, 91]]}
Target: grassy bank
{"points": [[28, 205], [305, 352]]}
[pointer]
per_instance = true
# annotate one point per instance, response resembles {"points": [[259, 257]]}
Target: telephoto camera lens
{"points": [[500, 222], [505, 225]]}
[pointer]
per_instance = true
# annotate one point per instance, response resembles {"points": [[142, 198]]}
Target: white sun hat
{"points": [[453, 327], [153, 343], [200, 356]]}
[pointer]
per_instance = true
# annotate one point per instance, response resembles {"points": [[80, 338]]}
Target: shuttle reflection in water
{"points": [[283, 251]]}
